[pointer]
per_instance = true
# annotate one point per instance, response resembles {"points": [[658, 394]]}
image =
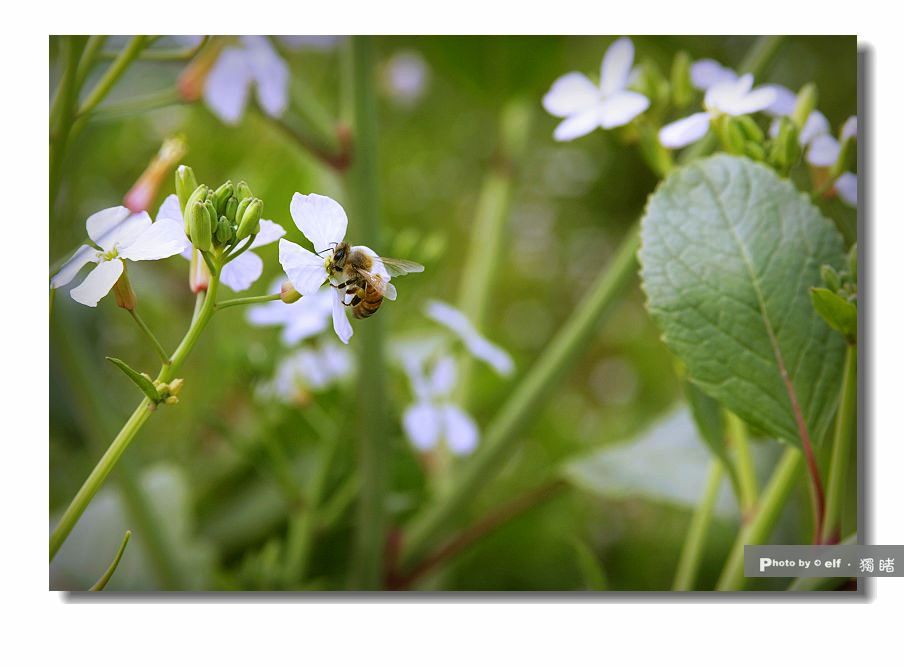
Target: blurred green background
{"points": [[218, 475]]}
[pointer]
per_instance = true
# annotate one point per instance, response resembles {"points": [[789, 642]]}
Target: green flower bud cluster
{"points": [[220, 217], [741, 135], [836, 301]]}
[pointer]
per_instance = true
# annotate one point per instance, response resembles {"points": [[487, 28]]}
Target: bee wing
{"points": [[379, 283], [401, 267]]}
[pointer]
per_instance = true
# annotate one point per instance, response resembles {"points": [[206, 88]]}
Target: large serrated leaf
{"points": [[729, 252]]}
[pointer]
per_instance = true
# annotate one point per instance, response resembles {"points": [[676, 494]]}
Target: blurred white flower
{"points": [[433, 420], [120, 235], [312, 42], [706, 73], [242, 272], [732, 98], [323, 222], [406, 77], [824, 148], [479, 347], [224, 76], [586, 106], [303, 319], [846, 187], [309, 370]]}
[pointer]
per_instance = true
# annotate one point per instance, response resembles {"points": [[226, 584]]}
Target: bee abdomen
{"points": [[369, 304]]}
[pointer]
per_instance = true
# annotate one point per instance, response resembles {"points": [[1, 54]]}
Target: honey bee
{"points": [[365, 277]]}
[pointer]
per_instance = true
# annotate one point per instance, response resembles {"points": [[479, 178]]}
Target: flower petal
{"points": [[421, 422], [170, 210], [823, 151], [578, 125], [162, 239], [684, 131], [621, 108], [341, 325], [321, 219], [707, 72], [616, 66], [569, 94], [228, 84], [73, 265], [817, 124], [784, 102], [479, 347], [304, 269], [270, 74], [269, 233], [98, 283], [846, 186], [849, 129], [242, 272], [758, 99], [116, 225], [442, 380], [460, 430]]}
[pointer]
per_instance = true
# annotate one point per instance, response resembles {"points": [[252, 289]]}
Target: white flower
{"points": [[120, 235], [303, 319], [732, 98], [585, 106], [706, 73], [239, 274], [251, 63], [323, 222], [479, 347], [406, 77], [309, 370], [846, 187], [824, 148], [433, 419]]}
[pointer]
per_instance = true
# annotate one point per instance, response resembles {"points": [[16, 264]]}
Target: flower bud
{"points": [[830, 277], [852, 263], [731, 135], [241, 208], [846, 157], [199, 195], [682, 88], [212, 212], [122, 290], [199, 225], [198, 273], [142, 194], [224, 231], [250, 220], [175, 386], [232, 205], [803, 107], [785, 150], [750, 129], [242, 191], [186, 184], [222, 195], [288, 293]]}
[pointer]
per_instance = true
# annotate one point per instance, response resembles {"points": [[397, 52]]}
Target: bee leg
{"points": [[357, 295]]}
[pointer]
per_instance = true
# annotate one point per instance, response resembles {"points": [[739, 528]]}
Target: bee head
{"points": [[340, 254]]}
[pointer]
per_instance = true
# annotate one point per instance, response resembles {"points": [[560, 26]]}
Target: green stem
{"points": [[493, 204], [150, 335], [500, 440], [102, 582], [737, 434], [692, 551], [128, 432], [163, 55], [760, 527], [62, 110], [845, 440], [157, 100], [92, 48], [112, 75], [374, 452], [245, 300]]}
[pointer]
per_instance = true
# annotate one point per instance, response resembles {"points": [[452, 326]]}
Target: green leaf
{"points": [[729, 251], [709, 416], [142, 381], [838, 312], [111, 569], [668, 463], [591, 569]]}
